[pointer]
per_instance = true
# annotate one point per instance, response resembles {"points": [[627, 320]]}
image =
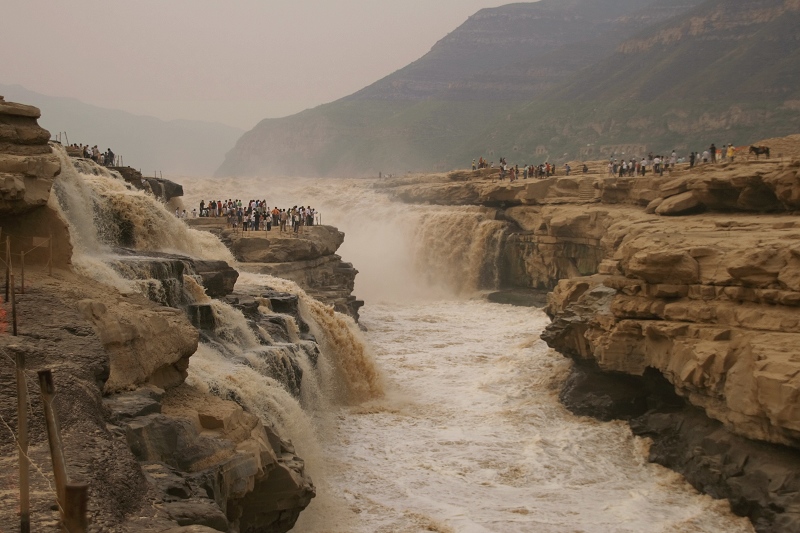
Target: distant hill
{"points": [[557, 80], [177, 147]]}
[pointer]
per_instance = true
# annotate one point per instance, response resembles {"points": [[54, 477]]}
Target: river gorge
{"points": [[201, 391]]}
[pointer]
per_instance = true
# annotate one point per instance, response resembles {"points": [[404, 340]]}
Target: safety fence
{"points": [[71, 498]]}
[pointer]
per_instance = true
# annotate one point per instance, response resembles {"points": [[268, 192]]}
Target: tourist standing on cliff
{"points": [[284, 217], [712, 150]]}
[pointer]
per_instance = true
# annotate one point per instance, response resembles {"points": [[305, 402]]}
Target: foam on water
{"points": [[471, 438], [457, 426]]}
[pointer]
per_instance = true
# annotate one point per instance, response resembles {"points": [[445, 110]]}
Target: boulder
{"points": [[680, 204], [146, 343]]}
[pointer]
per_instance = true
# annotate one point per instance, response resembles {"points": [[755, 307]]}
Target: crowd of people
{"points": [[514, 173], [657, 164], [256, 215], [107, 158]]}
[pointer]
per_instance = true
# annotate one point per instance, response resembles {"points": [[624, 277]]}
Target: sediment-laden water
{"points": [[444, 415], [468, 435]]}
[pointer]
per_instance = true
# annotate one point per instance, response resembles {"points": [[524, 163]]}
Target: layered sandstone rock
{"points": [[228, 468], [27, 164], [156, 453], [28, 168], [678, 296], [308, 258]]}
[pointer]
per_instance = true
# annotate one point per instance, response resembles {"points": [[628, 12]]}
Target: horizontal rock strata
{"points": [[308, 258], [678, 297]]}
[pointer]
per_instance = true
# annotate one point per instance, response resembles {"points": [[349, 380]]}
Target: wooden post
{"points": [[53, 435], [8, 263], [50, 263], [22, 272], [22, 439], [13, 305], [76, 500]]}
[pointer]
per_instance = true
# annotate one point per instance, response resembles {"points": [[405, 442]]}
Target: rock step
{"points": [[586, 191]]}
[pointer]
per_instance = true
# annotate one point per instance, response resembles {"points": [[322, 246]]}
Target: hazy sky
{"points": [[234, 61]]}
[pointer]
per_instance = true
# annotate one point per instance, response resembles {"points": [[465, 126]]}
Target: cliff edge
{"points": [[157, 453], [677, 297]]}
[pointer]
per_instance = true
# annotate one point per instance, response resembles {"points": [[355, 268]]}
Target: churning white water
{"points": [[469, 436], [460, 430]]}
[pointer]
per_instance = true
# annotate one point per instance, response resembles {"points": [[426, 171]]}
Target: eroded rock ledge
{"points": [[679, 299], [157, 453], [309, 259]]}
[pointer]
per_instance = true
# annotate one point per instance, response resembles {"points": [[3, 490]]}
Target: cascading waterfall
{"points": [[403, 252], [237, 363], [469, 435], [466, 436], [354, 376], [460, 250]]}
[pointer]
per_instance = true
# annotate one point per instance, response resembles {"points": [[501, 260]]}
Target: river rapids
{"points": [[444, 415], [469, 435]]}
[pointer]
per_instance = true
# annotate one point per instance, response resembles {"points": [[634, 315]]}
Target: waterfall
{"points": [[238, 360], [404, 252]]}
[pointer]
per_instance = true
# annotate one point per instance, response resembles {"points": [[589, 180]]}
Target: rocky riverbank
{"points": [[158, 453], [677, 296]]}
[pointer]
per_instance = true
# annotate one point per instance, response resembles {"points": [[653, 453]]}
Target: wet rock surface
{"points": [[308, 258], [677, 297]]}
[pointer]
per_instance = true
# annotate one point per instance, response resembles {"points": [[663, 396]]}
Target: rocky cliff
{"points": [[158, 453], [677, 296], [308, 258]]}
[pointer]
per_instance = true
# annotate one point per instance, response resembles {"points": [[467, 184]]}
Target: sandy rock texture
{"points": [[308, 258], [27, 164], [678, 297], [157, 454]]}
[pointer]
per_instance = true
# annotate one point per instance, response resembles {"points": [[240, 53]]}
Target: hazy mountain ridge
{"points": [[186, 147], [724, 72], [544, 80]]}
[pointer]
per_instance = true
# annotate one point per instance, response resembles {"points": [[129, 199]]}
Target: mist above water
{"points": [[468, 434], [445, 417], [402, 252]]}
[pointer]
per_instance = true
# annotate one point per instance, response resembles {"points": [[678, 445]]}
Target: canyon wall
{"points": [[158, 453], [677, 296]]}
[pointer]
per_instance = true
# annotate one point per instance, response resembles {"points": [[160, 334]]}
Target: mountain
{"points": [[183, 147], [724, 72], [557, 80]]}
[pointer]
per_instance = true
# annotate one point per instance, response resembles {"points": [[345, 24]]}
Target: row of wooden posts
{"points": [[72, 498]]}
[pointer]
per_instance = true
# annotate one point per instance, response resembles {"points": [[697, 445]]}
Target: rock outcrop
{"points": [[157, 453], [27, 164], [308, 258], [677, 296], [161, 188]]}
